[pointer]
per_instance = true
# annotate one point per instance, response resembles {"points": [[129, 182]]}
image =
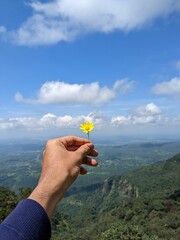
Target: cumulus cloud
{"points": [[51, 121], [47, 121], [64, 20], [18, 122], [171, 87], [120, 120], [148, 114], [55, 92]]}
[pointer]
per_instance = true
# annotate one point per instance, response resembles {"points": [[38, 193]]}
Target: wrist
{"points": [[48, 200]]}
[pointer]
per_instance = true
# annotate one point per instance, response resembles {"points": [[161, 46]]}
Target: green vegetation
{"points": [[143, 204], [9, 200], [21, 163], [133, 194]]}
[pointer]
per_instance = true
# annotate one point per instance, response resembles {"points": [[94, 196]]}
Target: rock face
{"points": [[122, 187], [107, 186], [126, 189]]}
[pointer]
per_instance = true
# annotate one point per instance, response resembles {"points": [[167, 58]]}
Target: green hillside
{"points": [[157, 179], [144, 204], [141, 205]]}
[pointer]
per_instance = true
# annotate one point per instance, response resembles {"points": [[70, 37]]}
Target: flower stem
{"points": [[88, 135]]}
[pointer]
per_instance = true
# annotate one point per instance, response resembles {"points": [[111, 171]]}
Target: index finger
{"points": [[73, 141], [72, 148]]}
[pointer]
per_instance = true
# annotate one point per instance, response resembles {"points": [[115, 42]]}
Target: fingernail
{"points": [[94, 162]]}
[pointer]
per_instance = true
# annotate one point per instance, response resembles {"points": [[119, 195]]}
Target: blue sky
{"points": [[113, 62]]}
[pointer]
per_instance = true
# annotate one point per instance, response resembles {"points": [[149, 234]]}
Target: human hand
{"points": [[61, 166]]}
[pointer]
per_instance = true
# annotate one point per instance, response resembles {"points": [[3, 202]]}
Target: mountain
{"points": [[140, 205], [143, 204], [160, 179]]}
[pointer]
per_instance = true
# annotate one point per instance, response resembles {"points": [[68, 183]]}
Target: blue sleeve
{"points": [[28, 221]]}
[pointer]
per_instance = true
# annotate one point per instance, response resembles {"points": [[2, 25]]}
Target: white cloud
{"points": [[64, 20], [148, 114], [144, 119], [65, 93], [123, 85], [47, 121], [51, 121], [120, 120], [5, 124], [171, 87], [18, 122]]}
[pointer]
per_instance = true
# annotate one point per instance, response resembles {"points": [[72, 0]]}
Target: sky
{"points": [[113, 62]]}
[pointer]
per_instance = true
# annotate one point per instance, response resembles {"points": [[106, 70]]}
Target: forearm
{"points": [[47, 200], [48, 194]]}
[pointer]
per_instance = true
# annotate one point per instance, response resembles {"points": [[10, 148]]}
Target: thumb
{"points": [[85, 149]]}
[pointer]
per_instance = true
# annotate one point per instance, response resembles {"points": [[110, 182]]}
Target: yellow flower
{"points": [[87, 127]]}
